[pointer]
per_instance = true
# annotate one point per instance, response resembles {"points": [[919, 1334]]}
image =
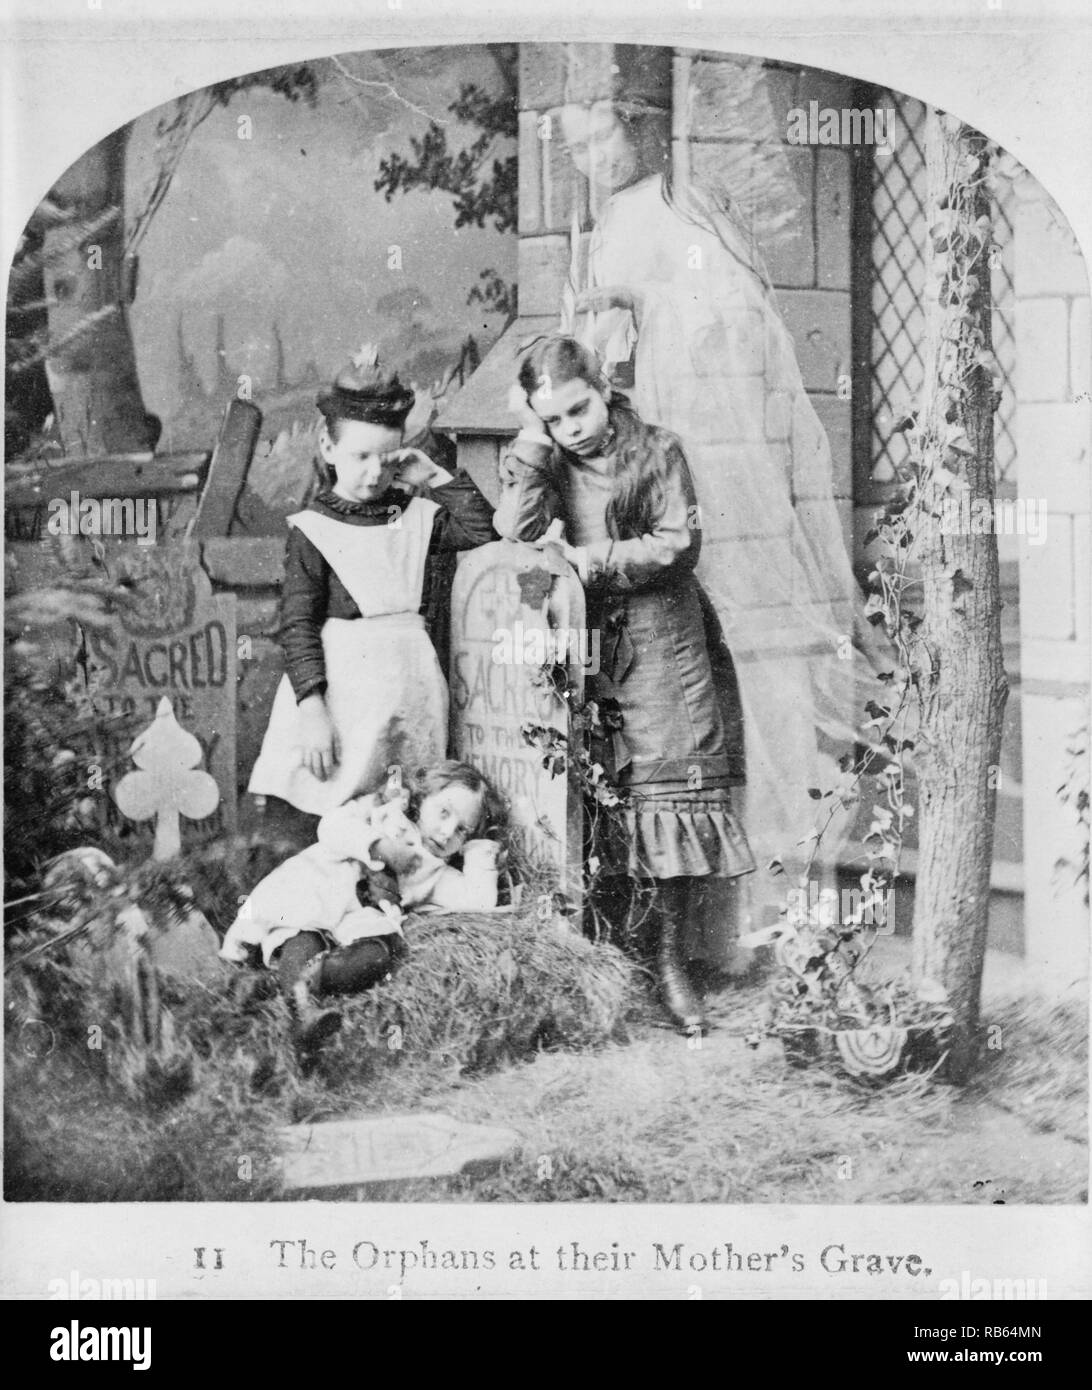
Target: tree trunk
{"points": [[957, 659], [91, 367]]}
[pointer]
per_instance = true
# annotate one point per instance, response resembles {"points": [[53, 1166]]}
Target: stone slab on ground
{"points": [[188, 948], [386, 1148]]}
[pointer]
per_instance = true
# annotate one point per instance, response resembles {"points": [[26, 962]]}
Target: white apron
{"points": [[384, 689]]}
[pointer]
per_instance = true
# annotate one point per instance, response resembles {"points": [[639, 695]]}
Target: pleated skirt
{"points": [[667, 748]]}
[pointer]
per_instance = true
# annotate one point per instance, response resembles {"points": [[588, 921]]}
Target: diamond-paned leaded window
{"points": [[898, 273]]}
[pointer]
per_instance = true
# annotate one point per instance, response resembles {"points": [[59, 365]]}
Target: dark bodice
{"points": [[312, 592]]}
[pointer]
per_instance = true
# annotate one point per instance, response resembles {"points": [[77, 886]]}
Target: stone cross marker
{"points": [[513, 609], [179, 643], [167, 785], [383, 1148]]}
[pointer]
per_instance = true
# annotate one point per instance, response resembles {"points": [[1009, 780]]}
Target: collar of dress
{"points": [[376, 509]]}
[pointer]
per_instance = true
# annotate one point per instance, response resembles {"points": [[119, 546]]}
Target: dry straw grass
{"points": [[481, 989], [1036, 1064], [195, 1118], [477, 1022]]}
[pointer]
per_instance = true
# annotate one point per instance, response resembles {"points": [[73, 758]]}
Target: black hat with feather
{"points": [[364, 390]]}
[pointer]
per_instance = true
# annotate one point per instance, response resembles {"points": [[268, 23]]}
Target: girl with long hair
{"points": [[623, 492]]}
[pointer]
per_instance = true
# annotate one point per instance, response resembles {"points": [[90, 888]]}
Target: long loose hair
{"points": [[639, 494], [428, 780]]}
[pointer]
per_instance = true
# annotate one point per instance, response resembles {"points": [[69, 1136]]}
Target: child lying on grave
{"points": [[329, 920]]}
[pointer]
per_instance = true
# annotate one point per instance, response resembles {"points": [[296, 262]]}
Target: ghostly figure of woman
{"points": [[674, 284]]}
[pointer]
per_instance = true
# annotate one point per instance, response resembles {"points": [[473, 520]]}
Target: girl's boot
{"points": [[676, 992], [314, 1023]]}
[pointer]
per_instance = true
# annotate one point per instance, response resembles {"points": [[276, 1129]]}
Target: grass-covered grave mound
{"points": [[479, 989]]}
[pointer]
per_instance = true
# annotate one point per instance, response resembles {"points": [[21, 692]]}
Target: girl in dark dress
{"points": [[363, 688], [622, 488]]}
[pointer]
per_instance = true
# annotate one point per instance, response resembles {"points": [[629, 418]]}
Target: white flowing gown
{"points": [[715, 363]]}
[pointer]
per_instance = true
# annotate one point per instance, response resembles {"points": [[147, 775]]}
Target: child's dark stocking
{"points": [[676, 992], [356, 967], [299, 965], [307, 970]]}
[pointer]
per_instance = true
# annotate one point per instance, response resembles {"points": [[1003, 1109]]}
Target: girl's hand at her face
{"points": [[520, 407], [407, 455], [318, 745], [413, 470]]}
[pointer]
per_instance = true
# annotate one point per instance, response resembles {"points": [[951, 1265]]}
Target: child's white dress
{"points": [[385, 691], [316, 889]]}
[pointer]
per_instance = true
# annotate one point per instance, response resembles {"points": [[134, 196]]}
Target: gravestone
{"points": [[386, 1148], [112, 947], [173, 639], [178, 643], [510, 604], [167, 784]]}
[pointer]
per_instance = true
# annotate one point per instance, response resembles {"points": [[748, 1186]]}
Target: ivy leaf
{"points": [[878, 715], [961, 585], [945, 480], [984, 358], [874, 606], [882, 817], [940, 230]]}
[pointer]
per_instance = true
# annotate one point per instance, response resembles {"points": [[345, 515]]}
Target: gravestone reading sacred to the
{"points": [[507, 602], [172, 638], [179, 642]]}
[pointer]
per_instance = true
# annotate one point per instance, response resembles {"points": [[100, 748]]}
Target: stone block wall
{"points": [[810, 269], [1054, 459], [550, 190]]}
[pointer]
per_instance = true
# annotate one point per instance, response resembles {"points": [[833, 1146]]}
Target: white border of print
{"points": [[71, 77]]}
